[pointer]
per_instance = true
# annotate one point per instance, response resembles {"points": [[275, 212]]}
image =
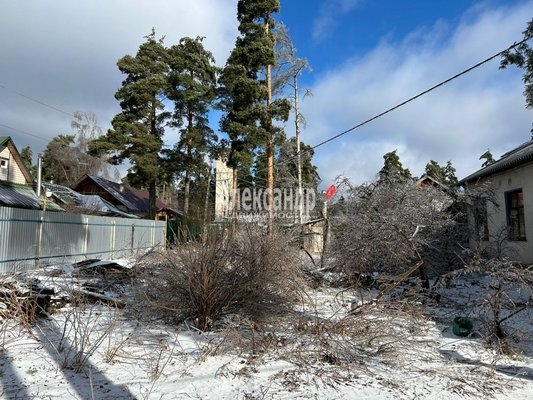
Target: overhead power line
{"points": [[403, 103], [419, 94], [25, 132], [42, 103]]}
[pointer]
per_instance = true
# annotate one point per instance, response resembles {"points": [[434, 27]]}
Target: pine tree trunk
{"points": [[298, 151], [152, 192], [185, 221], [233, 201], [206, 207], [270, 146], [186, 191], [188, 150]]}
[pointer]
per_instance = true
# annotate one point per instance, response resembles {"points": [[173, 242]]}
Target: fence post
{"points": [[85, 236], [113, 237], [152, 236], [39, 239], [132, 236]]}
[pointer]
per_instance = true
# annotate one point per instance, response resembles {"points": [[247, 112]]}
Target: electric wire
{"points": [[42, 103], [328, 140], [403, 103], [419, 94], [25, 132], [389, 110], [37, 101]]}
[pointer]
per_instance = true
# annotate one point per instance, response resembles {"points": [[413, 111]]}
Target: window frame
{"points": [[516, 220], [4, 163], [481, 218]]}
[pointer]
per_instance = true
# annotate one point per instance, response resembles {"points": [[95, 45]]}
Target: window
{"points": [[4, 172], [481, 219], [515, 215]]}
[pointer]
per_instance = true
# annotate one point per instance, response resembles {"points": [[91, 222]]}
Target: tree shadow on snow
{"points": [[90, 382], [12, 387], [519, 372]]}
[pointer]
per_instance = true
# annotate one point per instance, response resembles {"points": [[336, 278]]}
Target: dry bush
{"points": [[23, 300], [246, 271], [17, 314]]}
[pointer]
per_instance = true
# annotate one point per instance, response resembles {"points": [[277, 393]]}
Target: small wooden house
{"points": [[16, 183], [127, 199], [12, 168]]}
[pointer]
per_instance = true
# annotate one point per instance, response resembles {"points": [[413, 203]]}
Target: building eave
{"points": [[523, 154]]}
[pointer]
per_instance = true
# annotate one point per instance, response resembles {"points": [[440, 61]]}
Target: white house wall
{"points": [[224, 186], [508, 181], [13, 173]]}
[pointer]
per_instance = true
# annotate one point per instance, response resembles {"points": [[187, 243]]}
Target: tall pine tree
{"points": [[138, 129], [192, 88], [444, 175], [246, 91], [393, 170]]}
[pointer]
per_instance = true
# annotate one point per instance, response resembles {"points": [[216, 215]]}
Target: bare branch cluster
{"points": [[505, 305], [386, 227], [245, 271]]}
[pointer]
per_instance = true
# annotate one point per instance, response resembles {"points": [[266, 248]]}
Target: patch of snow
{"points": [[127, 359]]}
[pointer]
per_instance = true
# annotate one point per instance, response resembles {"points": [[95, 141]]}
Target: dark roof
{"points": [[22, 196], [513, 158], [170, 211], [62, 193], [134, 200], [90, 202]]}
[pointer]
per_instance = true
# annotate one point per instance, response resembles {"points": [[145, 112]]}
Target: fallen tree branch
{"points": [[106, 299]]}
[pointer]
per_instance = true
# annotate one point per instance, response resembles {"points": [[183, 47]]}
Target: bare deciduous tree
{"points": [[389, 226], [66, 158]]}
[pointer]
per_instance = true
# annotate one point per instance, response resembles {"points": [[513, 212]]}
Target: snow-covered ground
{"points": [[401, 350]]}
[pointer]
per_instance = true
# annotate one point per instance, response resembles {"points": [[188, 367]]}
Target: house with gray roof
{"points": [[502, 205], [125, 198], [74, 202]]}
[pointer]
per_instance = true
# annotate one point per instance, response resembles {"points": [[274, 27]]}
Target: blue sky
{"points": [[366, 57]]}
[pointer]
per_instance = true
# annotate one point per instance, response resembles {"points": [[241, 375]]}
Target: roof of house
{"points": [[170, 212], [90, 202], [513, 158], [133, 199], [5, 141], [429, 180], [22, 196]]}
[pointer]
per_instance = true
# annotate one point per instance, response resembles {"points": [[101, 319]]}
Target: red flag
{"points": [[331, 191]]}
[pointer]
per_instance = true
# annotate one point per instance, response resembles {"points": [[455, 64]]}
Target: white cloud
{"points": [[458, 121], [330, 11], [64, 53]]}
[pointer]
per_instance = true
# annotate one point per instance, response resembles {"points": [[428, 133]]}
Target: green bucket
{"points": [[462, 326]]}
